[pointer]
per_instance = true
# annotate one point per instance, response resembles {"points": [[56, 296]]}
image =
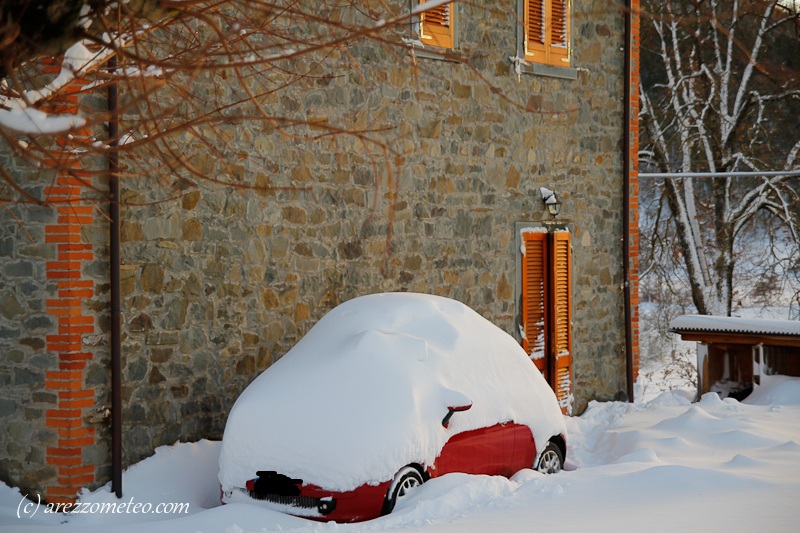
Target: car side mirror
{"points": [[454, 409]]}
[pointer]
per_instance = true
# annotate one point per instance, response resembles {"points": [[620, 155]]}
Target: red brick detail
{"points": [[70, 247], [69, 329], [63, 347], [63, 452], [75, 433], [74, 330], [62, 228], [61, 385], [72, 302], [75, 180], [83, 175], [80, 293], [77, 470], [74, 443], [75, 357], [62, 275], [62, 191], [62, 265], [633, 229], [71, 365], [77, 284], [75, 219], [63, 413], [64, 422], [75, 256], [76, 404], [64, 343], [83, 393], [61, 237], [63, 461], [69, 192], [76, 210], [51, 65], [64, 376], [76, 320], [76, 480], [67, 311]]}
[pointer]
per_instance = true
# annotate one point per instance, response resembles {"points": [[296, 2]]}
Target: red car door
{"points": [[482, 451], [524, 448]]}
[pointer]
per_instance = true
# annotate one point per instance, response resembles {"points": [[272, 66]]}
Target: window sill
{"points": [[420, 50], [539, 69], [452, 56]]}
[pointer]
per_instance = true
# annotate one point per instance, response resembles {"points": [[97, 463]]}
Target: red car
{"points": [[384, 393]]}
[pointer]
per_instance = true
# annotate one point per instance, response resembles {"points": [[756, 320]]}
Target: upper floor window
{"points": [[546, 27], [436, 24]]}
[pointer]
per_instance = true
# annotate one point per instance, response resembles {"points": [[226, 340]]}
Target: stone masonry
{"points": [[221, 282]]}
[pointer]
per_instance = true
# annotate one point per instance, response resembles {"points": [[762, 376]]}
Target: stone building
{"points": [[219, 283]]}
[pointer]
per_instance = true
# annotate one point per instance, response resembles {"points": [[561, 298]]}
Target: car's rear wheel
{"points": [[405, 480], [551, 460]]}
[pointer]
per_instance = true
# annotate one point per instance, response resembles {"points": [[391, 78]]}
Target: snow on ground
{"points": [[666, 465]]}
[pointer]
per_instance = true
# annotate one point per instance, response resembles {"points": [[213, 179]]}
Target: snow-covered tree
{"points": [[720, 94]]}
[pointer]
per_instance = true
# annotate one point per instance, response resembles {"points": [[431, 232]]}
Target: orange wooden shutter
{"points": [[534, 296], [436, 26], [534, 30], [561, 313], [559, 33], [547, 24]]}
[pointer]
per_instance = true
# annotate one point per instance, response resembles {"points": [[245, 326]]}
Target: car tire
{"points": [[406, 479], [551, 460]]}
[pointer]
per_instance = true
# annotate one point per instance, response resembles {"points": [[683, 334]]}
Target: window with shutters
{"points": [[437, 24], [545, 298], [546, 32]]}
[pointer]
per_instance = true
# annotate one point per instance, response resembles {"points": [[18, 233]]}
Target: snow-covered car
{"points": [[385, 392]]}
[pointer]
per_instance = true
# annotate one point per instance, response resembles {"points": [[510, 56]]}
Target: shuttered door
{"points": [[534, 296], [560, 349], [535, 30], [436, 26]]}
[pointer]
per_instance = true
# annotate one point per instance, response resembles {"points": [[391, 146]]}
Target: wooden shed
{"points": [[733, 353]]}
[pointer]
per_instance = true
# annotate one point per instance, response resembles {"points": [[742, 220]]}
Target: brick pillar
{"points": [[634, 182], [75, 400]]}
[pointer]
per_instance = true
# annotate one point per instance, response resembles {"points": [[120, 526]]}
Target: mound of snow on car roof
{"points": [[365, 391]]}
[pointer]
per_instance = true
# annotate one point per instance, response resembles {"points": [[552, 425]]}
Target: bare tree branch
{"points": [[717, 104]]}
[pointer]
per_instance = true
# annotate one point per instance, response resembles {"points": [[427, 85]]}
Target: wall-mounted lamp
{"points": [[550, 200]]}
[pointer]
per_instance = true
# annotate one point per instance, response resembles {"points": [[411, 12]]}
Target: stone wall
{"points": [[54, 316], [24, 324], [222, 281]]}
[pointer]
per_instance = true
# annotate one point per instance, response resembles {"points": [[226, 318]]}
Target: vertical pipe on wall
{"points": [[116, 344], [626, 198]]}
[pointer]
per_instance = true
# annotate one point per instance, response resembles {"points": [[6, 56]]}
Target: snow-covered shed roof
{"points": [[716, 328]]}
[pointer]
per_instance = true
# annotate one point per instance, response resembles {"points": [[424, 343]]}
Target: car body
{"points": [[383, 393]]}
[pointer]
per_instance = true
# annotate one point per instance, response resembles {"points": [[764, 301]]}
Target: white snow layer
{"points": [[16, 114], [735, 325], [665, 466], [28, 120], [364, 393]]}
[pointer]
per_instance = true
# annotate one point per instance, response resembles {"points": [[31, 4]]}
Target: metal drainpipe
{"points": [[626, 199], [116, 344]]}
